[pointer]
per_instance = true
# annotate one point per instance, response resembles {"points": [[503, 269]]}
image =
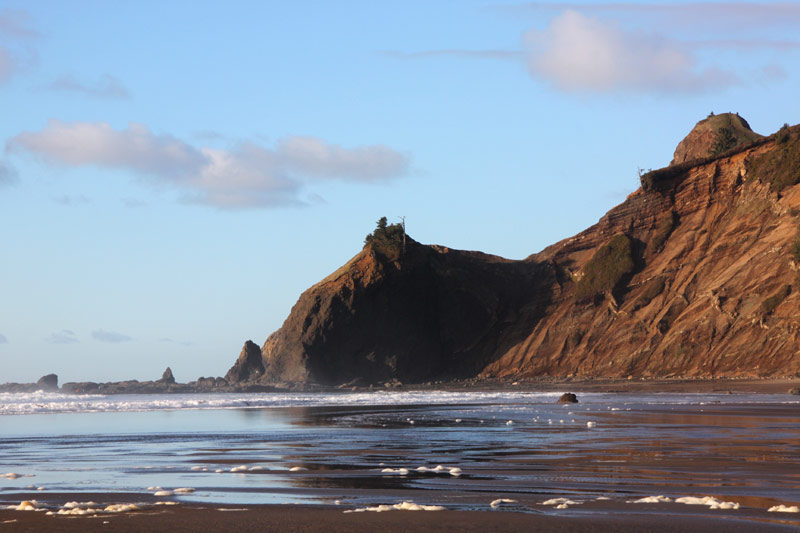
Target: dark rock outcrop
{"points": [[568, 397], [167, 377], [249, 366], [48, 382], [698, 290]]}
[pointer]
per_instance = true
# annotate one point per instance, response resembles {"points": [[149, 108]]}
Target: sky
{"points": [[173, 175]]}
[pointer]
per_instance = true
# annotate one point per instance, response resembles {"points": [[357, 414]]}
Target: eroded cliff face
{"points": [[708, 290]]}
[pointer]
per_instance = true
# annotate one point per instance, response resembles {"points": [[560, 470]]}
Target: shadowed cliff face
{"points": [[429, 313], [695, 277]]}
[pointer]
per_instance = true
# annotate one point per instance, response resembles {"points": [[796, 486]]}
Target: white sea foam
{"points": [[401, 471], [497, 503], [298, 469], [183, 490], [161, 493], [560, 503], [242, 468], [653, 499], [710, 501], [403, 506], [784, 509], [14, 475], [50, 402]]}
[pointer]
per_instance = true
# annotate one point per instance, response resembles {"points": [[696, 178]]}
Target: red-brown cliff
{"points": [[694, 275]]}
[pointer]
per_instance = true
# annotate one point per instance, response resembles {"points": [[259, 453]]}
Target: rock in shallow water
{"points": [[568, 397]]}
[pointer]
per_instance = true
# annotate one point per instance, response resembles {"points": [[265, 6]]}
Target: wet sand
{"points": [[325, 519], [736, 448]]}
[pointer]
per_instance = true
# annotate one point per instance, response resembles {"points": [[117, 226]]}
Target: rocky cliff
{"points": [[694, 275]]}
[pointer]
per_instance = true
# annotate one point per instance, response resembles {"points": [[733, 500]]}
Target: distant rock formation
{"points": [[249, 366], [167, 376], [716, 133], [48, 382], [694, 275]]}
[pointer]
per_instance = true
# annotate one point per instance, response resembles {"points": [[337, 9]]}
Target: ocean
{"points": [[457, 450]]}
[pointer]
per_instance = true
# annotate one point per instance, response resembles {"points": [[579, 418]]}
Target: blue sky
{"points": [[174, 174]]}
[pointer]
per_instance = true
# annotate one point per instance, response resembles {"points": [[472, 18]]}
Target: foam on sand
{"points": [[784, 509], [497, 503], [183, 490], [710, 501], [14, 475], [403, 506], [400, 471], [439, 469], [27, 505], [242, 468], [560, 503], [164, 493], [653, 499]]}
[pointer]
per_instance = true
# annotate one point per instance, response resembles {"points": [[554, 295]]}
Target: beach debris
{"points": [[710, 501], [568, 397], [403, 506], [298, 469], [784, 509], [497, 503], [653, 499], [401, 471]]}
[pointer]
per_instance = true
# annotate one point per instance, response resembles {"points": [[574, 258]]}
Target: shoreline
{"points": [[784, 385]]}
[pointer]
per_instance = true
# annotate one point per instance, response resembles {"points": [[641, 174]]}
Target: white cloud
{"points": [[578, 53], [106, 87], [109, 336], [3, 339], [65, 336], [248, 175]]}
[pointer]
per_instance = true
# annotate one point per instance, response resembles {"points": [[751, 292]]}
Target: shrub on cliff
{"points": [[609, 264], [387, 238]]}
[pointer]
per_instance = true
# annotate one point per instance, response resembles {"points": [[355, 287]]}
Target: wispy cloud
{"points": [[3, 339], [66, 199], [65, 336], [8, 175], [109, 336], [576, 52], [248, 175], [106, 87], [704, 14], [16, 43]]}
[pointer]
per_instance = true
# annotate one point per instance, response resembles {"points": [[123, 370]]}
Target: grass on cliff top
{"points": [[609, 264], [780, 166]]}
